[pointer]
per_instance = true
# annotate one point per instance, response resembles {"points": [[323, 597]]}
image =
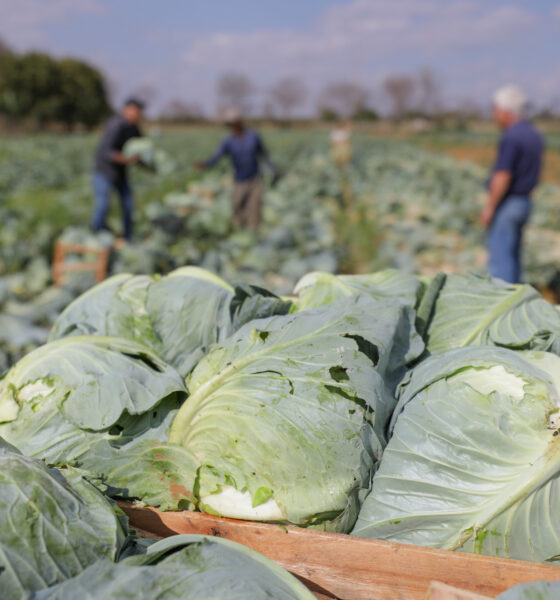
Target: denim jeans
{"points": [[504, 238], [102, 188]]}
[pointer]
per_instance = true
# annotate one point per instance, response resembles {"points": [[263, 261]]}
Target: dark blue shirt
{"points": [[244, 152], [520, 153]]}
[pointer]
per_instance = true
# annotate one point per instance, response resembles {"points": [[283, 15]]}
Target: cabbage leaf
{"points": [[287, 417], [474, 460]]}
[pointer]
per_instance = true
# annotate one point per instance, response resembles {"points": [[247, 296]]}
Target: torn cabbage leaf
{"points": [[291, 412]]}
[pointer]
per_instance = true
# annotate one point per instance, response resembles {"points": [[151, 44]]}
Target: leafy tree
{"points": [[82, 97], [35, 86], [365, 113]]}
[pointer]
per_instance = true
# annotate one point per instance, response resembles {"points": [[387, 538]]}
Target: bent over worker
{"points": [[245, 149], [514, 176], [110, 166]]}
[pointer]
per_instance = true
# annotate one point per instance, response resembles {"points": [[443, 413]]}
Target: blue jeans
{"points": [[504, 238], [102, 188]]}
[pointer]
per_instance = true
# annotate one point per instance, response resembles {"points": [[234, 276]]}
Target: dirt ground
{"points": [[484, 154]]}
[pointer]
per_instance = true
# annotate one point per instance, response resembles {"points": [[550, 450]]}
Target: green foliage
{"points": [[38, 87], [329, 115], [365, 114]]}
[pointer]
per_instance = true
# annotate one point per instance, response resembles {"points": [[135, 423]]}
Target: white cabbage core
{"points": [[494, 379], [33, 390], [230, 502]]}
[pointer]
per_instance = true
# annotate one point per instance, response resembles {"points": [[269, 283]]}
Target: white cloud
{"points": [[364, 29], [22, 24], [365, 40]]}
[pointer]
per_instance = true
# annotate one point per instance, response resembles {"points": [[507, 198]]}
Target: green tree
{"points": [[82, 97], [37, 87]]}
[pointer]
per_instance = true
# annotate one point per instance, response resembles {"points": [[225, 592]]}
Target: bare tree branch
{"points": [[288, 94], [180, 111], [344, 98], [235, 90], [400, 90], [429, 88]]}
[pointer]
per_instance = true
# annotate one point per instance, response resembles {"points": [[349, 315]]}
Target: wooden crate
{"points": [[350, 568], [97, 266]]}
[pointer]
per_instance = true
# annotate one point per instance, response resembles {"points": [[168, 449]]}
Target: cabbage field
{"points": [[349, 368], [422, 410], [395, 206]]}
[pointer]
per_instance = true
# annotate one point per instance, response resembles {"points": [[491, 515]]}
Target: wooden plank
{"points": [[442, 591], [352, 568]]}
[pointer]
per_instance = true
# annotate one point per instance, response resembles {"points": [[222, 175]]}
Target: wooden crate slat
{"points": [[60, 268], [352, 568]]}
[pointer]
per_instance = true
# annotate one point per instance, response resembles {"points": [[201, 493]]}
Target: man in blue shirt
{"points": [[514, 176], [245, 149], [111, 163]]}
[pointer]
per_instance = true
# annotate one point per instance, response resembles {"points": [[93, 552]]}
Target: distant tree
{"points": [[328, 114], [35, 86], [82, 94], [365, 113], [289, 93], [400, 91], [235, 90], [179, 111], [4, 48], [268, 111], [429, 90], [344, 98]]}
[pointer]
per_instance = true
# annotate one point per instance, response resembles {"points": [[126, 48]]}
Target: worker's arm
{"points": [[262, 152], [121, 159], [218, 155], [498, 188]]}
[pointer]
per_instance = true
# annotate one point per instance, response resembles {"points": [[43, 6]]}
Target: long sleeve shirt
{"points": [[245, 152]]}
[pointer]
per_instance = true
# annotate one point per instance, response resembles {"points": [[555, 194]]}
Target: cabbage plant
{"points": [[178, 316], [54, 525], [478, 311], [287, 417], [474, 460], [184, 567], [319, 288], [63, 397]]}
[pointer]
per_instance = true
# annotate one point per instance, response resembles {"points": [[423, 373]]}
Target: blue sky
{"points": [[180, 48]]}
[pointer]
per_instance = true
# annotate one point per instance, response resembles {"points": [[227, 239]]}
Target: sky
{"points": [[181, 47]]}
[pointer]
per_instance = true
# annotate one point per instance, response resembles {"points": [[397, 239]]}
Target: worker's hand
{"points": [[133, 160], [199, 166], [486, 216]]}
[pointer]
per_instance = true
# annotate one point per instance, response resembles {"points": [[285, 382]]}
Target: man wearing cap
{"points": [[111, 164], [245, 149], [514, 176]]}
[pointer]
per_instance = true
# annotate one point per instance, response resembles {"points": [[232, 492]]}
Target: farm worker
{"points": [[514, 176], [341, 148], [111, 165], [245, 149]]}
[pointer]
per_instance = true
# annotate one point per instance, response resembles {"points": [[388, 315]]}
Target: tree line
{"points": [[403, 96], [40, 89]]}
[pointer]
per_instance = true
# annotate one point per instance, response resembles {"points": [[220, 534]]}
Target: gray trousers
{"points": [[247, 203]]}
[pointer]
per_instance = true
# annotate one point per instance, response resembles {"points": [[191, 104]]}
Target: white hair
{"points": [[512, 99]]}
